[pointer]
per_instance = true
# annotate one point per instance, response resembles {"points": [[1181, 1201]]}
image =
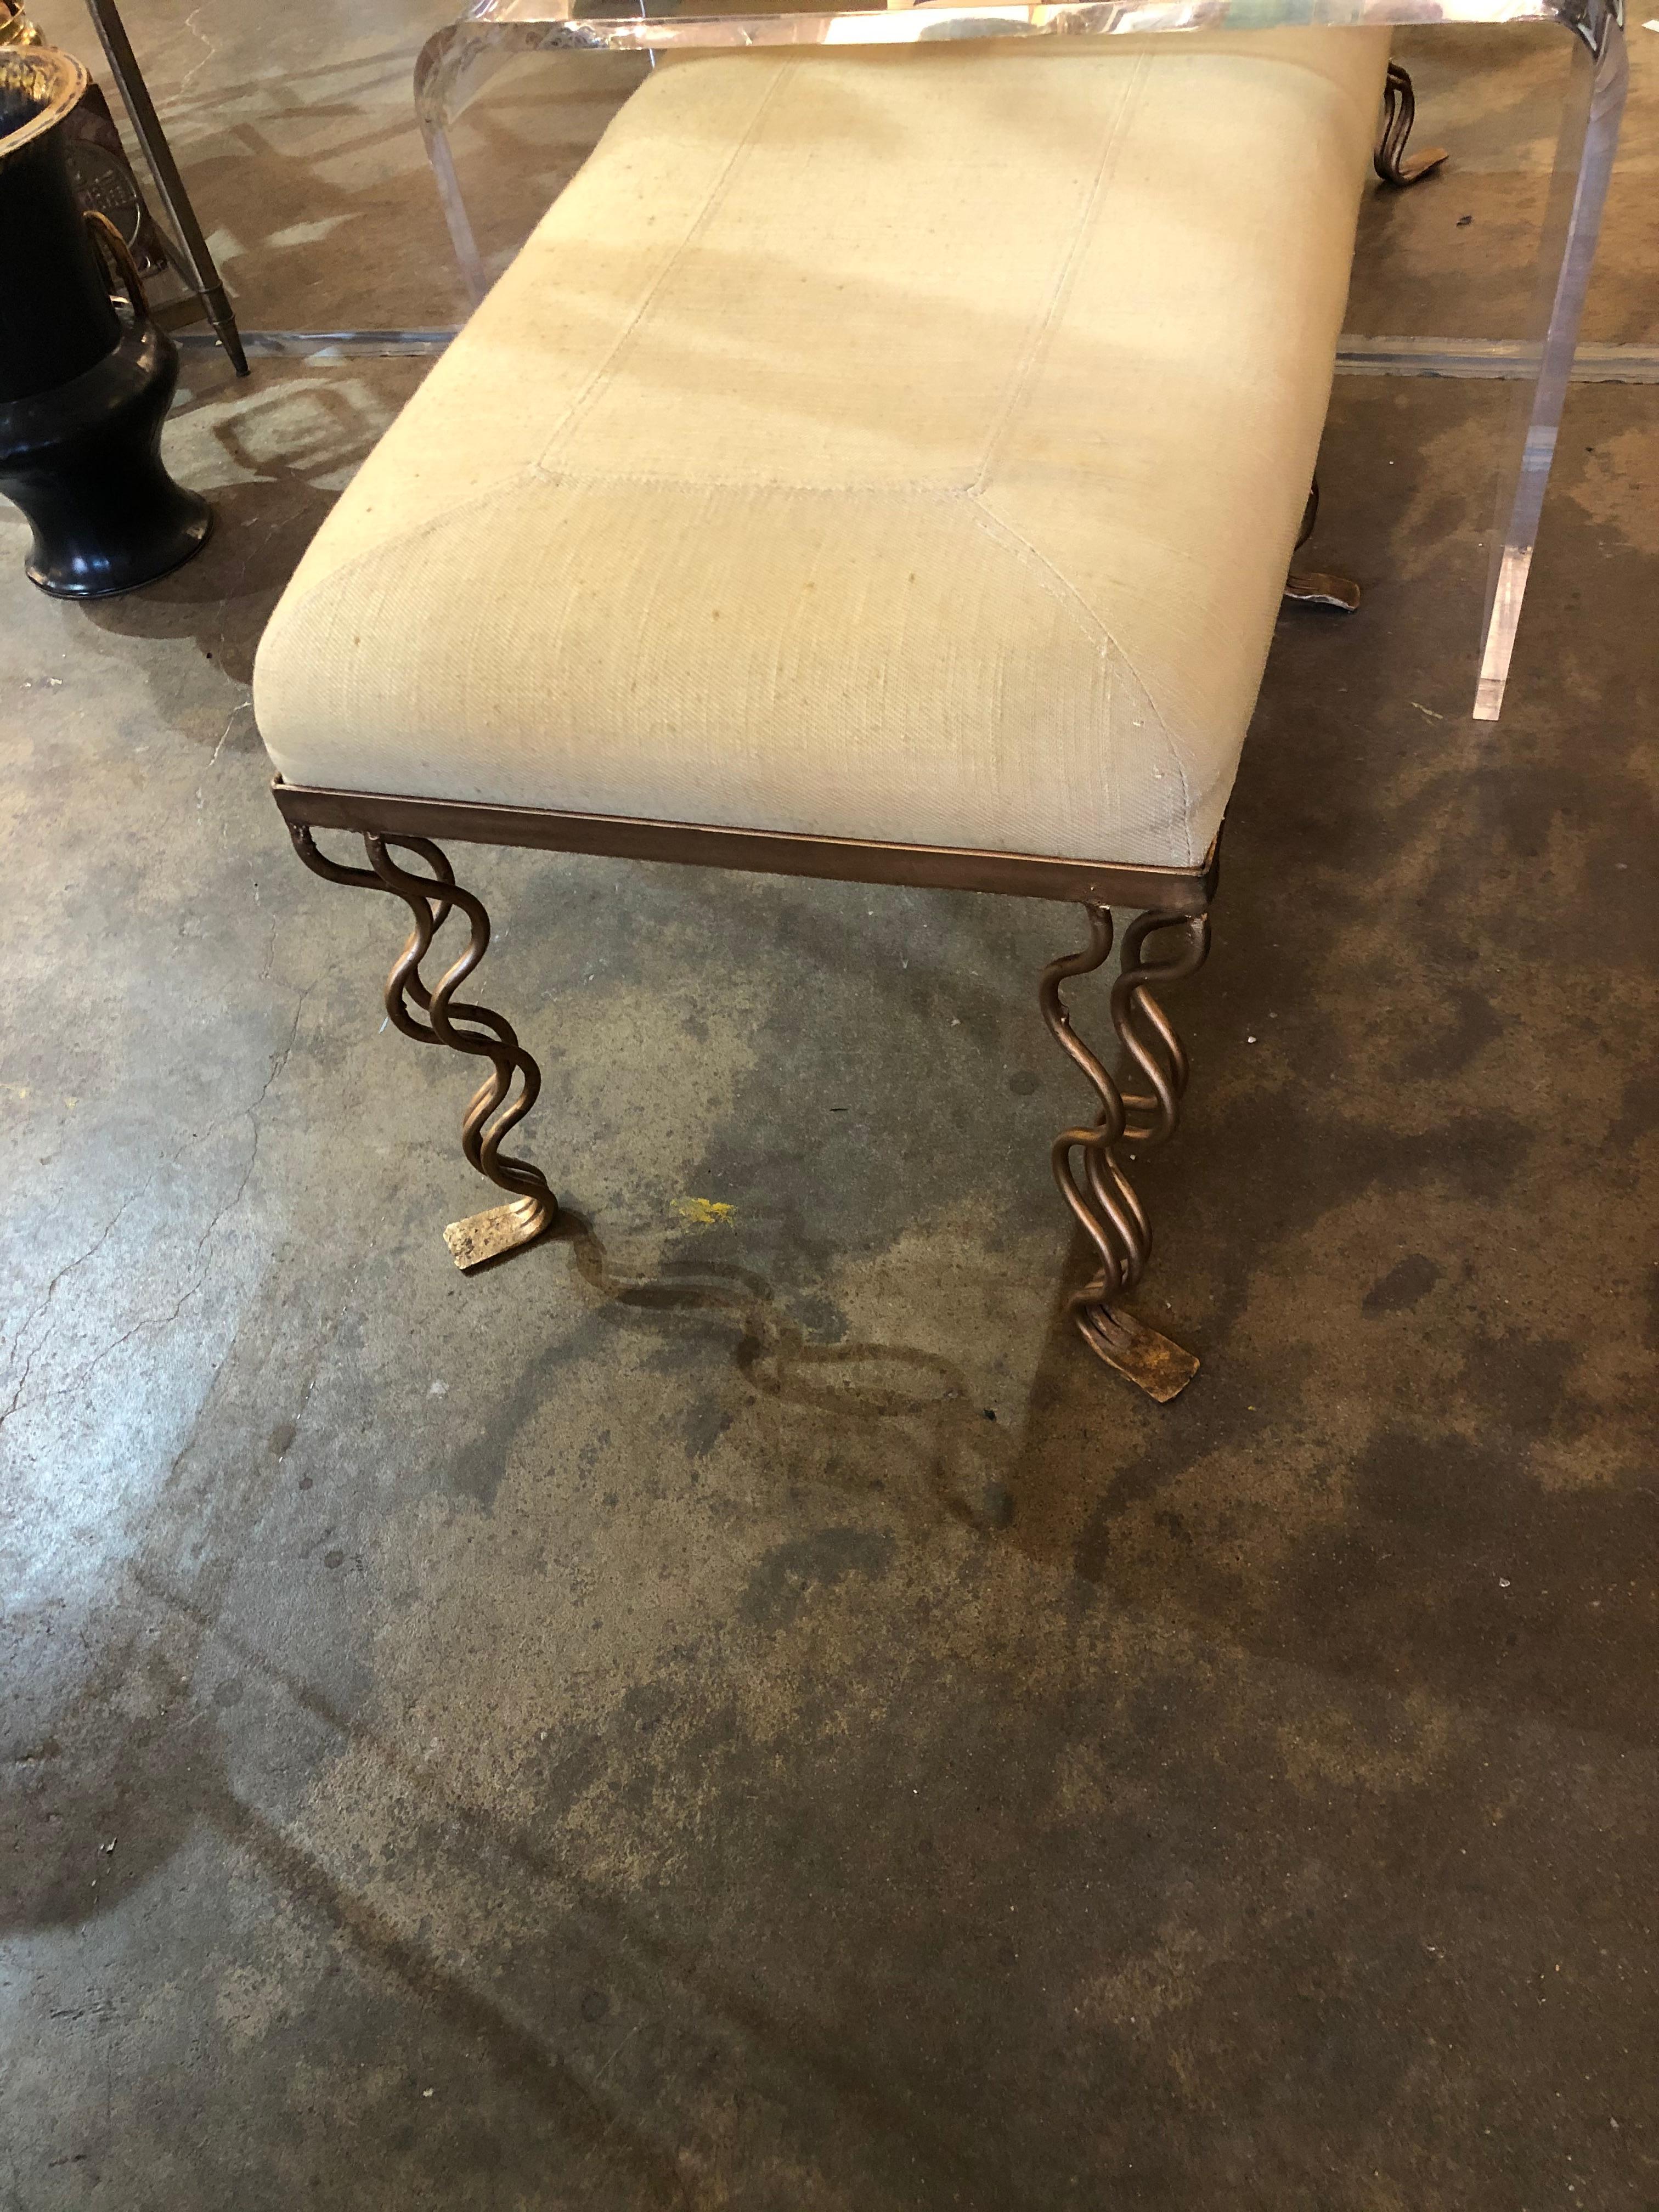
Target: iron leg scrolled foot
{"points": [[1391, 160], [1087, 1167], [531, 1209], [1317, 587]]}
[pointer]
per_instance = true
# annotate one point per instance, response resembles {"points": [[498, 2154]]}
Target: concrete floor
{"points": [[747, 1714]]}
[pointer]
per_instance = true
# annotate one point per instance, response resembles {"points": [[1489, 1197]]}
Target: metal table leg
{"points": [[198, 268]]}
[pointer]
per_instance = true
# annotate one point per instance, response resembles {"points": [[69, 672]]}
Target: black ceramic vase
{"points": [[83, 390]]}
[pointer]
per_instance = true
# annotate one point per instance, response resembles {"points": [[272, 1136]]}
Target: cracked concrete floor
{"points": [[736, 1711]]}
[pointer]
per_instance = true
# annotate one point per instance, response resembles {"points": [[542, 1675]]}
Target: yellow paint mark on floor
{"points": [[704, 1212]]}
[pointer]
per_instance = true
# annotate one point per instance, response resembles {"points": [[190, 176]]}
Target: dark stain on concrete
{"points": [[1530, 1385], [1467, 1020], [477, 1464], [1399, 1290], [705, 1422], [789, 1576]]}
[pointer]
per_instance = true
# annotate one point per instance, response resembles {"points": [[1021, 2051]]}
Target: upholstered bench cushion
{"points": [[904, 445]]}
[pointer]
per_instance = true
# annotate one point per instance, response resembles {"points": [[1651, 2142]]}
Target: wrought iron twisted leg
{"points": [[1086, 1166], [465, 1027], [1391, 160]]}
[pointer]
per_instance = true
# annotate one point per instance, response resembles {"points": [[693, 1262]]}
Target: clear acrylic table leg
{"points": [[1591, 109], [453, 68]]}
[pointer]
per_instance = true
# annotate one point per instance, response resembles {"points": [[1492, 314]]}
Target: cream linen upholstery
{"points": [[904, 445]]}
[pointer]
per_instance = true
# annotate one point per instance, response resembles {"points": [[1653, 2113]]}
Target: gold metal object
{"points": [[1086, 1163], [45, 85], [1154, 1363], [1391, 161], [110, 243], [481, 1237], [464, 1026], [1100, 1196], [1312, 587], [758, 852]]}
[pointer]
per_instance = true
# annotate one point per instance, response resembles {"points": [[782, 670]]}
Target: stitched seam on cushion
{"points": [[1061, 588], [533, 471], [520, 480], [1059, 290], [716, 194]]}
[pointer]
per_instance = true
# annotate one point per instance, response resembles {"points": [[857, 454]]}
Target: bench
{"points": [[882, 465]]}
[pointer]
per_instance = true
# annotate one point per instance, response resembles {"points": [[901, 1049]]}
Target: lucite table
{"points": [[457, 62]]}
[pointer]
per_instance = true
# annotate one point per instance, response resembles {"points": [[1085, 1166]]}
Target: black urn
{"points": [[83, 389]]}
